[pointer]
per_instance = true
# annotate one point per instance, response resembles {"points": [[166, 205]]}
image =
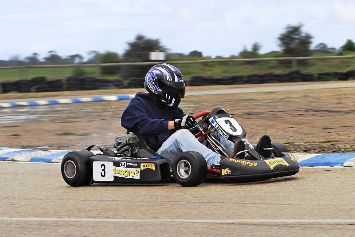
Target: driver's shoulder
{"points": [[142, 97]]}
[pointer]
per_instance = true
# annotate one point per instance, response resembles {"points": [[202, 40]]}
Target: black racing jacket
{"points": [[149, 118]]}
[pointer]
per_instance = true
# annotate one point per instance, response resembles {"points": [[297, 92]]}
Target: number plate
{"points": [[102, 171], [230, 125]]}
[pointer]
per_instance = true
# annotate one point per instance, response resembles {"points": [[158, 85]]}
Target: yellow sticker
{"points": [[147, 166], [293, 158], [245, 162], [226, 171], [128, 173], [274, 162]]}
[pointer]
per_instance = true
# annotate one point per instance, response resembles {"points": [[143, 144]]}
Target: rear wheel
{"points": [[189, 169], [278, 148], [76, 169]]}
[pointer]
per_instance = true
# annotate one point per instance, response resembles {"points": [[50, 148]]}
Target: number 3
{"points": [[103, 171], [230, 125]]}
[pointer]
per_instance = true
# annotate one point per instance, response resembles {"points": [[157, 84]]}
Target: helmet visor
{"points": [[177, 93]]}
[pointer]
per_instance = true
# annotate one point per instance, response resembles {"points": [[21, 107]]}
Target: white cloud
{"points": [[345, 10]]}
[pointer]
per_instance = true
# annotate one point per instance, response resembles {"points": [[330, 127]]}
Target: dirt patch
{"points": [[306, 120]]}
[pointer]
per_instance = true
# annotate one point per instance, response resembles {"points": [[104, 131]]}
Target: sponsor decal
{"points": [[128, 164], [132, 164], [292, 157], [147, 166], [226, 171], [218, 127], [274, 162], [128, 173], [245, 162]]}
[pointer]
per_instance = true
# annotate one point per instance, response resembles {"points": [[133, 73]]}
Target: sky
{"points": [[215, 27]]}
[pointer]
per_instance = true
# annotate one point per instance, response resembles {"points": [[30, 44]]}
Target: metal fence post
{"points": [[294, 64], [98, 73]]}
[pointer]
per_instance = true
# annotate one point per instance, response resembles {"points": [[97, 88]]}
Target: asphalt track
{"points": [[35, 201]]}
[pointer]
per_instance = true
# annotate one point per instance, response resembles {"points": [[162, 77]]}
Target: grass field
{"points": [[200, 69], [50, 73]]}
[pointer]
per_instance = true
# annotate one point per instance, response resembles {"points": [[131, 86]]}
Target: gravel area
{"points": [[311, 120]]}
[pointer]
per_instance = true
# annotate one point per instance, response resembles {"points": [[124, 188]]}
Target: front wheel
{"points": [[189, 169]]}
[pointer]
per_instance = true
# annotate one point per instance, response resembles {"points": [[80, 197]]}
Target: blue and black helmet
{"points": [[165, 82]]}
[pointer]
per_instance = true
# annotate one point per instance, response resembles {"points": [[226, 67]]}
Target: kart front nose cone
{"points": [[183, 169], [69, 169]]}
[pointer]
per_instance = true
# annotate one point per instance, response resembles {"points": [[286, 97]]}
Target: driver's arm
{"points": [[171, 125], [187, 122], [136, 119]]}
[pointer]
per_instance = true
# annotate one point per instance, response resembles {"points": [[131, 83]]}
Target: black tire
{"points": [[278, 148], [76, 168], [194, 172]]}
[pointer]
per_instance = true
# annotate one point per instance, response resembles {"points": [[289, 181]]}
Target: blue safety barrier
{"points": [[65, 101], [53, 156], [332, 159]]}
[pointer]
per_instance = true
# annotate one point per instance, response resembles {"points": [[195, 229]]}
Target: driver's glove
{"points": [[186, 122]]}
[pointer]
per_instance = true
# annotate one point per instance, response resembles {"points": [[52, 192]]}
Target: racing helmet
{"points": [[166, 83]]}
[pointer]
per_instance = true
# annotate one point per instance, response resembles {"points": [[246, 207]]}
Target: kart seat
{"points": [[142, 149]]}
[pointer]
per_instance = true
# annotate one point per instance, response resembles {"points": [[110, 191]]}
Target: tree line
{"points": [[292, 42]]}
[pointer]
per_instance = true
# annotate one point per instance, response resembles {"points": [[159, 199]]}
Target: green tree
{"points": [[138, 51], [255, 48], [322, 47], [75, 59], [254, 52], [294, 42], [110, 57], [93, 57], [195, 53], [348, 46], [15, 61], [33, 59], [53, 58]]}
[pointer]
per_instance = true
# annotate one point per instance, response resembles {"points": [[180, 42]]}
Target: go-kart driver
{"points": [[156, 117]]}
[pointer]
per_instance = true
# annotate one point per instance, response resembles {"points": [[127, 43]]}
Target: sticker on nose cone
{"points": [[274, 162]]}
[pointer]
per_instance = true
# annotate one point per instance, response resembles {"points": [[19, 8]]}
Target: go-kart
{"points": [[131, 161]]}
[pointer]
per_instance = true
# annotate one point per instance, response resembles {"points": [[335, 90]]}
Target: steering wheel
{"points": [[200, 116]]}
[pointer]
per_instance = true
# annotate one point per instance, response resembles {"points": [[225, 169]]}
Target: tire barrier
{"points": [[91, 83], [293, 76], [41, 84], [55, 156], [135, 83]]}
